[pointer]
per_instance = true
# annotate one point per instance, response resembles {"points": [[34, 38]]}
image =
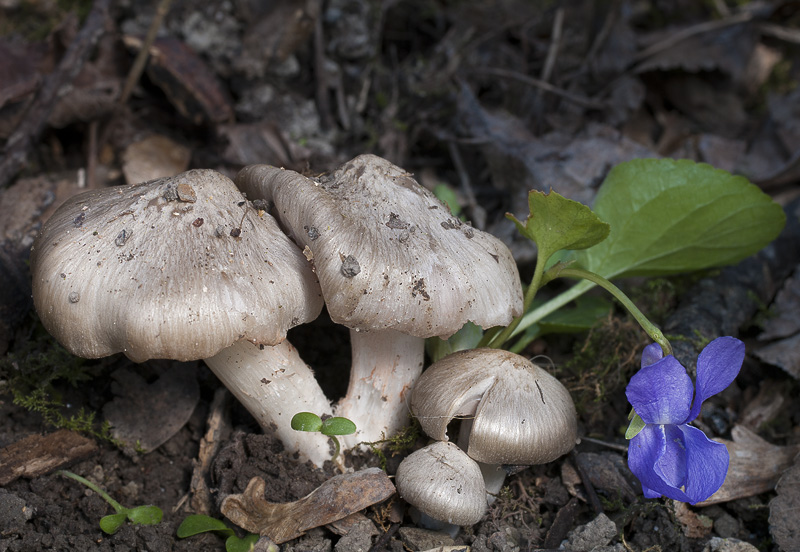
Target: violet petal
{"points": [[661, 393]]}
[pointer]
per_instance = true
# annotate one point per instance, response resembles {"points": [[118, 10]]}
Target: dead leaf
{"points": [[190, 85], [783, 510], [783, 353], [785, 311], [146, 415], [335, 499], [755, 466], [694, 526], [154, 157], [39, 454]]}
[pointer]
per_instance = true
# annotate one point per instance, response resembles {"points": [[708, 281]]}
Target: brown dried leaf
{"points": [[154, 157], [335, 499], [146, 415], [187, 81], [694, 526], [785, 311], [783, 510], [755, 466], [783, 353]]}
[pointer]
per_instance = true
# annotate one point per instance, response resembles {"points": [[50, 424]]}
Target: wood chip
{"points": [[40, 454], [335, 499], [755, 466]]}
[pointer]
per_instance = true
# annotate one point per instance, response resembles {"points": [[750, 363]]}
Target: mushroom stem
{"points": [[385, 365], [274, 383]]}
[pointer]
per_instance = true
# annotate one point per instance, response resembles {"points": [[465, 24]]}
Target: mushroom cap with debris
{"points": [[387, 252], [178, 267], [520, 414], [444, 483]]}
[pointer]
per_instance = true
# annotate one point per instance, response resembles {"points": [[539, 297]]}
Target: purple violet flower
{"points": [[670, 457]]}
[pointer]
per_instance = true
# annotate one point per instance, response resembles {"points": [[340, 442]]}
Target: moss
{"points": [[600, 368], [32, 373], [401, 442]]}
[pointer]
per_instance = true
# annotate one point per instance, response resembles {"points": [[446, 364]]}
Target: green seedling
{"points": [[196, 524], [140, 515], [308, 421]]}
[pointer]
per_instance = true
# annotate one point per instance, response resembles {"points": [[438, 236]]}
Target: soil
{"points": [[444, 89]]}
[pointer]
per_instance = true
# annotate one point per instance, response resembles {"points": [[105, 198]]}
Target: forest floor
{"points": [[488, 100]]}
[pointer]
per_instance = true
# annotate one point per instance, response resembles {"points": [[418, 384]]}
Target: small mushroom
{"points": [[395, 267], [515, 413], [441, 481], [129, 269]]}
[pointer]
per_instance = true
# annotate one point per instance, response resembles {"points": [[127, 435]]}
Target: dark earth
{"points": [[490, 99]]}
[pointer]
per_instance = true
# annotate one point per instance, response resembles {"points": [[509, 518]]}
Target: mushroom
{"points": [[185, 268], [515, 412], [395, 267], [442, 482]]}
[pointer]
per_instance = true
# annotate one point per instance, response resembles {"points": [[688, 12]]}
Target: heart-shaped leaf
{"points": [[670, 216]]}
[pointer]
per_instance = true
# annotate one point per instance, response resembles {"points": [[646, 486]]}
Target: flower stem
{"points": [[652, 330], [119, 508], [498, 340]]}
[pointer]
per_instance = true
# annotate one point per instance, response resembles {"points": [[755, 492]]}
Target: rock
{"points": [[717, 544], [422, 539], [596, 533], [14, 512]]}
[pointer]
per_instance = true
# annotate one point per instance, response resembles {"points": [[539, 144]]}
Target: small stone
{"points": [[14, 512], [186, 193], [717, 544], [597, 532], [422, 539]]}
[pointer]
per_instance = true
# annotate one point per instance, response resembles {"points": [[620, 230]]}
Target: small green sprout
{"points": [[140, 515], [308, 421], [197, 523]]}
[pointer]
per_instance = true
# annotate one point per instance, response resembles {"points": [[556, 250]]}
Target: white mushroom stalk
{"points": [[384, 366], [395, 267], [183, 268], [266, 380]]}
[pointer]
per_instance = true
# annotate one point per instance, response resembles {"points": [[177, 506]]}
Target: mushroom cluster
{"points": [[513, 413], [395, 267], [187, 268]]}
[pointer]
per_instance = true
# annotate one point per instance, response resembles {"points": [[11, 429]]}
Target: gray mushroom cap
{"points": [[178, 268], [387, 252], [520, 414], [444, 483]]}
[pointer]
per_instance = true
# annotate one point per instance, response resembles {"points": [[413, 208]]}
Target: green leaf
{"points": [[670, 216], [197, 523], [467, 337], [245, 544], [557, 223], [110, 524], [448, 196], [337, 426], [636, 425], [306, 421], [145, 515], [583, 316]]}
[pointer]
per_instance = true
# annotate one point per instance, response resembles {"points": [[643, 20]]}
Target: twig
{"points": [[689, 32], [555, 43], [15, 154], [141, 58], [582, 101]]}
